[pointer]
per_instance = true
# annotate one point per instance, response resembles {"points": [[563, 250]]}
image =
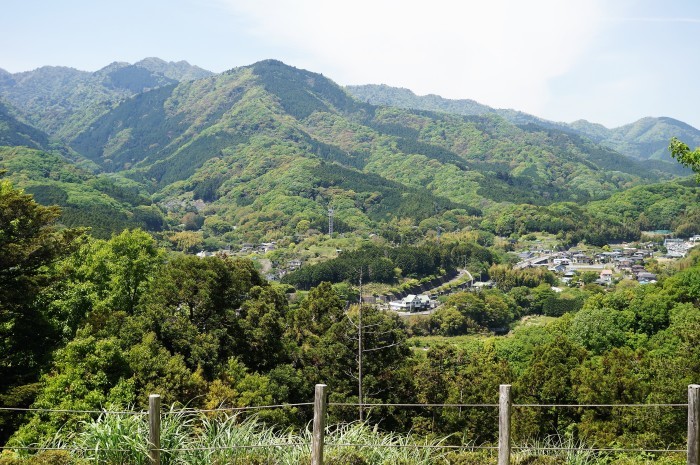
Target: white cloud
{"points": [[499, 52]]}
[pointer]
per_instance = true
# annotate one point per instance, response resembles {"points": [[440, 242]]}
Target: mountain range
{"points": [[645, 139], [259, 150]]}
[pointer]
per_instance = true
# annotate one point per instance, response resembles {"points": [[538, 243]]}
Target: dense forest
{"points": [[89, 323], [258, 151]]}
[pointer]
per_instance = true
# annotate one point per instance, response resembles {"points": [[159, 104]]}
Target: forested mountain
{"points": [[263, 151], [177, 70], [106, 204], [404, 98], [645, 139], [271, 145], [13, 132], [62, 101], [99, 321]]}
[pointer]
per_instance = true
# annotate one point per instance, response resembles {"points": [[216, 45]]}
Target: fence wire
{"points": [[67, 449], [331, 444], [46, 410], [592, 449], [411, 446], [356, 405]]}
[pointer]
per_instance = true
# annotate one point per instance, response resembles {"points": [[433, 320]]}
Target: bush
{"points": [[471, 458], [47, 457]]}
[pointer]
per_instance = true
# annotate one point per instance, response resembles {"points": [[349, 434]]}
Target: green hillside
{"points": [[14, 132], [251, 144], [63, 101], [646, 139], [105, 204], [261, 152]]}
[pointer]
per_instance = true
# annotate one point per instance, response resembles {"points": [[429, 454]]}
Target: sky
{"points": [[606, 61]]}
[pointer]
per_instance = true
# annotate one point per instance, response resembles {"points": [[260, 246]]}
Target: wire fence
{"points": [[308, 442]]}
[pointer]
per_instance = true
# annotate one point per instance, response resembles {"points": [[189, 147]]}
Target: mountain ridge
{"points": [[625, 139], [59, 100], [255, 151], [251, 143]]}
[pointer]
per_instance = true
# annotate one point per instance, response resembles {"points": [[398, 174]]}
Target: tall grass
{"points": [[196, 438], [564, 448], [193, 438], [559, 449], [374, 447]]}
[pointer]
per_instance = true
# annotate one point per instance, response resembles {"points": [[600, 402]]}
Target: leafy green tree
{"points": [[588, 277], [476, 382], [616, 377], [448, 374], [104, 281], [548, 380], [30, 244], [194, 305], [237, 387], [318, 328], [158, 371], [261, 319], [88, 374], [600, 328], [449, 321], [685, 156], [385, 353], [673, 363]]}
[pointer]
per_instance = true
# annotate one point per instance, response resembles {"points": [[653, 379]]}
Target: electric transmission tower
{"points": [[330, 221]]}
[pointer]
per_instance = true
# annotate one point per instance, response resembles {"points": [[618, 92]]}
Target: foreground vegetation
{"points": [[191, 438], [101, 320], [90, 324]]}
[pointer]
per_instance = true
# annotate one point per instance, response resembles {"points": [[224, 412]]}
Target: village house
{"points": [[646, 277], [267, 247], [410, 303], [558, 268], [568, 276], [582, 258], [606, 276]]}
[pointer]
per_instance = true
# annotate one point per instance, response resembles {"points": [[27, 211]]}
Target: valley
{"points": [[210, 237]]}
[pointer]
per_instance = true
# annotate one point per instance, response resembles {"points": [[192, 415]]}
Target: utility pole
{"points": [[330, 220], [359, 353]]}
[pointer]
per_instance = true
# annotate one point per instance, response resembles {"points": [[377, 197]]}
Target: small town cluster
{"points": [[620, 262]]}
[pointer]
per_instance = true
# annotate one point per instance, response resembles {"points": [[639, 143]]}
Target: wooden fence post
{"points": [[154, 429], [504, 405], [319, 425], [693, 424]]}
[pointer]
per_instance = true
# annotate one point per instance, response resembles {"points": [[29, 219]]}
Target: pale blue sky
{"points": [[607, 61]]}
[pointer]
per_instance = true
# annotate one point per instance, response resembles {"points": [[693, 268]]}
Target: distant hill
{"points": [[63, 101], [13, 132], [259, 145], [104, 203], [262, 151], [646, 139], [404, 98], [176, 70]]}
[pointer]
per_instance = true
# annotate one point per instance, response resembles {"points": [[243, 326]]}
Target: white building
{"points": [[410, 303]]}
